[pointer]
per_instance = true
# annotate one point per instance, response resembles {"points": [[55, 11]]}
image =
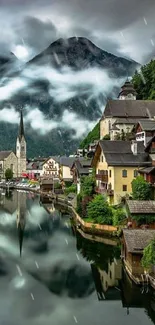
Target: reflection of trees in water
{"points": [[9, 195], [99, 253]]}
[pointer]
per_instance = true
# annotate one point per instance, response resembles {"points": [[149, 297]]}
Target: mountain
{"points": [[63, 79]]}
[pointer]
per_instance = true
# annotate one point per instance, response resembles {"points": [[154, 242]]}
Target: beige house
{"points": [[8, 160], [117, 163], [123, 114], [51, 167], [65, 168]]}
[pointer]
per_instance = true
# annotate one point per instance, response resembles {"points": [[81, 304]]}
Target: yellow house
{"points": [[117, 164]]}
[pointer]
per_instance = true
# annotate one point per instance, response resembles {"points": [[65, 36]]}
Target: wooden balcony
{"points": [[104, 191], [101, 177]]}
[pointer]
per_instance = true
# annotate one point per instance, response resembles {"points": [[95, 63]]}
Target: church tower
{"points": [[127, 91], [21, 148]]}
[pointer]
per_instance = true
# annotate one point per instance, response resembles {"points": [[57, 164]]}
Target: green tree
{"points": [[148, 259], [71, 189], [144, 81], [119, 216], [99, 210], [106, 137], [8, 174], [87, 185], [141, 190]]}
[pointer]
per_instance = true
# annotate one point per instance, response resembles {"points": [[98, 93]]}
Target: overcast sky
{"points": [[123, 27]]}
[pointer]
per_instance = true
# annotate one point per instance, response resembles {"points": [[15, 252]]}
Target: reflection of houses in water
{"points": [[134, 296], [106, 282], [21, 217]]}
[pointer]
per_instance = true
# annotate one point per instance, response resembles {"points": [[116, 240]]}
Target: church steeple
{"points": [[21, 126], [127, 91]]}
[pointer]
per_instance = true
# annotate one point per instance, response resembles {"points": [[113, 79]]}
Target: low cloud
{"points": [[64, 84]]}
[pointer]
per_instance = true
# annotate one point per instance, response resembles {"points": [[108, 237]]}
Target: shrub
{"points": [[99, 210]]}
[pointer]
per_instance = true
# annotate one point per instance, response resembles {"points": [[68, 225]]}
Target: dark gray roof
{"points": [[147, 170], [130, 108], [34, 165], [118, 153], [67, 161], [137, 239], [4, 154], [83, 166], [118, 146], [147, 125], [140, 207]]}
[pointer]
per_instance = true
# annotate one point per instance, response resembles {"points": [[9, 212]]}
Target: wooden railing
{"points": [[101, 177]]}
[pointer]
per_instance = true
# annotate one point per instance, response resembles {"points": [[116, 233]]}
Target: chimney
{"points": [[134, 147]]}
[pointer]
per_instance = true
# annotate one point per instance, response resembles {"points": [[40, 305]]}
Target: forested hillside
{"points": [[92, 135]]}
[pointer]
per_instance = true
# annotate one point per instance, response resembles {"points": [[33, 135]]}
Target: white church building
{"points": [[16, 162]]}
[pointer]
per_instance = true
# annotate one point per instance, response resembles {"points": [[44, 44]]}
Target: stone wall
{"points": [[11, 160]]}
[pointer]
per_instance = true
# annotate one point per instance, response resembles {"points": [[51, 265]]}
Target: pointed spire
{"points": [[21, 126], [20, 237]]}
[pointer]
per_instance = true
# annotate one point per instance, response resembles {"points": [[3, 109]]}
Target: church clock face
{"points": [[22, 148]]}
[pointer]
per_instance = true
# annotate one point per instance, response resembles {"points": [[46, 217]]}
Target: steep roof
{"points": [[4, 154], [83, 166], [140, 207], [119, 153], [137, 239], [129, 108]]}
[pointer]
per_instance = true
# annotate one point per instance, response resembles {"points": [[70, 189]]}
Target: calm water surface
{"points": [[49, 275]]}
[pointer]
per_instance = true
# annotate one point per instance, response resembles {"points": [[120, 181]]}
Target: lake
{"points": [[49, 274]]}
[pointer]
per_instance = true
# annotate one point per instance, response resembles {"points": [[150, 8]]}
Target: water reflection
{"points": [[59, 278]]}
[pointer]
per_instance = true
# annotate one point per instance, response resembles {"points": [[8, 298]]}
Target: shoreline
{"points": [[86, 227]]}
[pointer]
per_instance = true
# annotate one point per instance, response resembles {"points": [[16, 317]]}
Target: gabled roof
{"points": [[83, 166], [119, 153], [67, 161], [55, 158], [129, 108], [147, 170], [136, 239], [4, 154], [147, 124], [141, 207]]}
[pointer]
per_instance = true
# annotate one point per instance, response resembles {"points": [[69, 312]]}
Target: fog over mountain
{"points": [[62, 91]]}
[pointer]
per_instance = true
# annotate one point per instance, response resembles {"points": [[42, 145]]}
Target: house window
{"points": [[135, 173], [11, 167], [124, 188], [0, 166], [124, 173], [102, 158], [109, 173]]}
